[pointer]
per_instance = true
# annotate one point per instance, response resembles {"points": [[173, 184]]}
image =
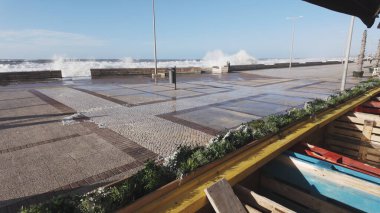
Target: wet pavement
{"points": [[125, 121]]}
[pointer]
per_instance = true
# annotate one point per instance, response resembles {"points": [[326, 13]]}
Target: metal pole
{"points": [[292, 47], [348, 48], [293, 19], [155, 43]]}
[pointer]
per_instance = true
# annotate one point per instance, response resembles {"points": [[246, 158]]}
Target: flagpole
{"points": [[348, 49], [154, 37]]}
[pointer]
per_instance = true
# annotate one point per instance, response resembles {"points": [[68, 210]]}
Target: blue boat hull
{"points": [[354, 190]]}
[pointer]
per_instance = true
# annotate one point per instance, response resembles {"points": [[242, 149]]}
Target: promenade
{"points": [[60, 136]]}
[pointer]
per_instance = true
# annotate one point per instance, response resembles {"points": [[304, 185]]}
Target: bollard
{"points": [[173, 77]]}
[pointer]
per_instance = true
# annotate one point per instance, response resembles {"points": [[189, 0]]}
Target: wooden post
{"points": [[362, 51], [223, 198], [377, 57]]}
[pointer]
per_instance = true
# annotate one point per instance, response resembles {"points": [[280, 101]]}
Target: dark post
{"points": [[173, 77]]}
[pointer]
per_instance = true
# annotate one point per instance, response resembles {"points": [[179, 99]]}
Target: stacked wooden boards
{"points": [[356, 135]]}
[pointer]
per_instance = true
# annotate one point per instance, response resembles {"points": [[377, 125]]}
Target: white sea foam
{"points": [[219, 58], [76, 67]]}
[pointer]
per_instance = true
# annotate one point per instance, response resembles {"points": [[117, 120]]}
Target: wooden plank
{"points": [[349, 140], [375, 138], [354, 126], [360, 120], [372, 147], [374, 104], [350, 133], [367, 116], [345, 132], [342, 144], [367, 135], [373, 158], [362, 153], [300, 197], [251, 209], [257, 201], [350, 153], [351, 119], [369, 158], [223, 199], [353, 149]]}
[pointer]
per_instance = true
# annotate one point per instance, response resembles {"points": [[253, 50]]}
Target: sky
{"points": [[101, 29]]}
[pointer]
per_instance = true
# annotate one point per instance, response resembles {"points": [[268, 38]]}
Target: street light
{"points": [[154, 37], [292, 46], [348, 48]]}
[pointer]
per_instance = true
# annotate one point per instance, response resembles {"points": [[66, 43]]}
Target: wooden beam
{"points": [[367, 130], [354, 126], [367, 116], [223, 199], [357, 120], [259, 202], [251, 209], [298, 196], [350, 133]]}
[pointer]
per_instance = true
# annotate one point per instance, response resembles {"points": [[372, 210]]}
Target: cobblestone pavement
{"points": [[125, 121]]}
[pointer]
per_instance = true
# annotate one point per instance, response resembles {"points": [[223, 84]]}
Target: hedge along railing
{"points": [[186, 193]]}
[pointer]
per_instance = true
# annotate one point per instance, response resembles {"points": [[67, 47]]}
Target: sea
{"points": [[81, 67]]}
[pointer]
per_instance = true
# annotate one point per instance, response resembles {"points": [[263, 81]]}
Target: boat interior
{"points": [[334, 169]]}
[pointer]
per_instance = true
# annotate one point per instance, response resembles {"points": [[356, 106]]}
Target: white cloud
{"points": [[40, 37], [40, 43]]}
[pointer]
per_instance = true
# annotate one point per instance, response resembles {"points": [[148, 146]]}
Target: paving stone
{"points": [[20, 103], [209, 90], [316, 90], [30, 132], [34, 141], [100, 87], [141, 98], [219, 119], [87, 103], [178, 93], [119, 92], [281, 99], [254, 108], [15, 95], [152, 88]]}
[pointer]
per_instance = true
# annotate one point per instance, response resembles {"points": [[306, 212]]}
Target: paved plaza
{"points": [[60, 136]]}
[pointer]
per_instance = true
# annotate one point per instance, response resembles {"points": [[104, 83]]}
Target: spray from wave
{"points": [[219, 58], [82, 67]]}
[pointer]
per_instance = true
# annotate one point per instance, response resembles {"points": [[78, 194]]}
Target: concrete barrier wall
{"points": [[48, 74], [35, 75], [139, 71], [278, 65]]}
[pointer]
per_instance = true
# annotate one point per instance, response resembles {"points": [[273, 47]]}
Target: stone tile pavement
{"points": [[124, 122]]}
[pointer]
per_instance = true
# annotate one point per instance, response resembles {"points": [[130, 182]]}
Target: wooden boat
{"points": [[336, 159]]}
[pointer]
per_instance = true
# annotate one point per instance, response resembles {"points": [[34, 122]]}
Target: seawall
{"points": [[97, 73], [279, 65], [31, 75]]}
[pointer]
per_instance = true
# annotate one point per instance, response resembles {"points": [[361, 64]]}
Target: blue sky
{"points": [[185, 29]]}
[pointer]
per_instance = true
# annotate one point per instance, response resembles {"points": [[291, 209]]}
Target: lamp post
{"points": [[154, 37], [293, 31], [348, 48]]}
